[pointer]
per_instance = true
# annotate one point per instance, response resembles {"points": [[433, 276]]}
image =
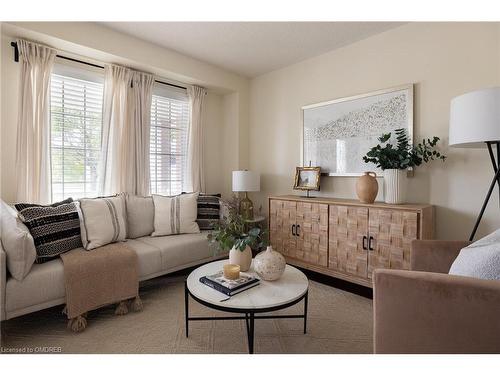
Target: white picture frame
{"points": [[336, 134]]}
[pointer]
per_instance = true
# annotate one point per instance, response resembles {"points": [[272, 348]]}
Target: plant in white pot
{"points": [[395, 159], [230, 234]]}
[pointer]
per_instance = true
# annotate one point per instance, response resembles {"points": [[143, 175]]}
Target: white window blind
{"points": [[168, 142], [76, 124]]}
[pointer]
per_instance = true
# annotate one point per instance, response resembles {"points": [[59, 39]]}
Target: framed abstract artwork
{"points": [[338, 133]]}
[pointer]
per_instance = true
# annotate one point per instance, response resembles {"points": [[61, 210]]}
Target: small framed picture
{"points": [[307, 178]]}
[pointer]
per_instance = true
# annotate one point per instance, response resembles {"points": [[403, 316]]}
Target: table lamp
{"points": [[475, 123], [245, 181]]}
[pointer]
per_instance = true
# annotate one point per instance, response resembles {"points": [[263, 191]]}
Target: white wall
{"points": [[223, 117], [213, 133], [9, 96], [443, 60]]}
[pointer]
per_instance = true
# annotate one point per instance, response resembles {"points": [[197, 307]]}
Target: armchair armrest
{"points": [[423, 312], [434, 256]]}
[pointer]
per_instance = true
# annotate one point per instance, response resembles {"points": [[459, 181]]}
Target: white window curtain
{"points": [[117, 81], [195, 169], [33, 125], [125, 135], [140, 98]]}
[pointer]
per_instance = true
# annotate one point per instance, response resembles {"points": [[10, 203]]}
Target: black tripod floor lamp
{"points": [[475, 123]]}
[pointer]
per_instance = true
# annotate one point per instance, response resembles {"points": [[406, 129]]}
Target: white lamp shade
{"points": [[246, 181], [475, 118]]}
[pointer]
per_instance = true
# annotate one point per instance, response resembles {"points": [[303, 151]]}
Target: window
{"points": [[168, 140], [76, 124]]}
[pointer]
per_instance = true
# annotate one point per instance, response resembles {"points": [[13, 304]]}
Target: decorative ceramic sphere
{"points": [[269, 264]]}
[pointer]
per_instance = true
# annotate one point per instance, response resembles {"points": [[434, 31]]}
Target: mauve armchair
{"points": [[425, 310]]}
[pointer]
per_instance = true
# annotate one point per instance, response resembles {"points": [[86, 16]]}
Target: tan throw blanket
{"points": [[106, 275]]}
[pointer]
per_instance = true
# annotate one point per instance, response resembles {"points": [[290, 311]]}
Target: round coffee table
{"points": [[268, 296]]}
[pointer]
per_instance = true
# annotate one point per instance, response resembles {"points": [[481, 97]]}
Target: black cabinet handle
{"points": [[297, 230], [370, 244], [293, 230], [364, 243]]}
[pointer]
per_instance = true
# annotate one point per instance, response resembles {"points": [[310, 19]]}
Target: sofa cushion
{"points": [[17, 243], [55, 230], [140, 216], [480, 259], [149, 258], [175, 215], [181, 249], [103, 221], [44, 283]]}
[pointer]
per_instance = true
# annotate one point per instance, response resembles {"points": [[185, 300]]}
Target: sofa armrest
{"points": [[3, 281], [433, 255], [424, 312]]}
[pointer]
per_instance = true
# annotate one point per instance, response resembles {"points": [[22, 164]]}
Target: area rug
{"points": [[338, 322]]}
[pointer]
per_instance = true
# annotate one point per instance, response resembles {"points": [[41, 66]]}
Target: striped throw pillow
{"points": [[208, 211], [175, 215], [55, 230], [103, 221]]}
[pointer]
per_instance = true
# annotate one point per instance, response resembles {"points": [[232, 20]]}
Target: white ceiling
{"points": [[251, 48]]}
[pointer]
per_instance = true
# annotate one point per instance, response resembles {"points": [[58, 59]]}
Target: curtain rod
{"points": [[16, 59]]}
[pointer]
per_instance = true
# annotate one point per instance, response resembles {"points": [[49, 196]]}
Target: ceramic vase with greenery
{"points": [[395, 159], [231, 234]]}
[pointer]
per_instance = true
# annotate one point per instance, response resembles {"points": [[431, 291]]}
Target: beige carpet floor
{"points": [[338, 322]]}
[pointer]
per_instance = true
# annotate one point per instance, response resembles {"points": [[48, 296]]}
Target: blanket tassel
{"points": [[77, 324], [121, 309], [136, 304]]}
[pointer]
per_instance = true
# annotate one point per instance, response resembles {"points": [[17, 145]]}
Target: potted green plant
{"points": [[231, 234], [395, 159]]}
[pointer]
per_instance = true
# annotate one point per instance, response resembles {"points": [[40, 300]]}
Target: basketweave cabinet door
{"points": [[390, 236], [347, 235], [312, 233], [282, 226]]}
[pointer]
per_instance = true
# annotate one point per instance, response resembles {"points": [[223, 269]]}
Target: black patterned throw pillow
{"points": [[208, 210], [55, 230], [22, 206]]}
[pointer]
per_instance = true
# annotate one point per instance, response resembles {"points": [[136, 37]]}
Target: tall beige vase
{"points": [[367, 187], [241, 258], [395, 186]]}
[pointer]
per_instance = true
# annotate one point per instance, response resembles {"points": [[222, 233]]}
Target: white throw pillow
{"points": [[140, 216], [102, 221], [480, 259], [17, 243], [175, 215]]}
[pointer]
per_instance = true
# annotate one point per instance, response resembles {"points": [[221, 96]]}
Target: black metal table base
{"points": [[249, 314]]}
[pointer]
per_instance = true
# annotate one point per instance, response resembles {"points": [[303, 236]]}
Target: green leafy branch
{"points": [[402, 155], [231, 231]]}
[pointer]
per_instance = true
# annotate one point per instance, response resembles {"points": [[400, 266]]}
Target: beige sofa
{"points": [[43, 287], [425, 310]]}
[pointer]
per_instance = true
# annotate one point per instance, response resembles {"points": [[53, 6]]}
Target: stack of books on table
{"points": [[229, 287]]}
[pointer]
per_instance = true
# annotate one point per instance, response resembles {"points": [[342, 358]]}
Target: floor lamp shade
{"points": [[475, 122], [246, 181], [475, 118]]}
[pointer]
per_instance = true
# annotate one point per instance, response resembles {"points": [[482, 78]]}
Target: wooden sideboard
{"points": [[345, 238]]}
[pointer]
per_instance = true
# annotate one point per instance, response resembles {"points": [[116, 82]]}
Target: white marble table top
{"points": [[292, 285]]}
